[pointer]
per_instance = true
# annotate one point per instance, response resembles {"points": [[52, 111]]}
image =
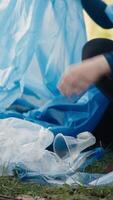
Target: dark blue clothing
{"points": [[96, 10]]}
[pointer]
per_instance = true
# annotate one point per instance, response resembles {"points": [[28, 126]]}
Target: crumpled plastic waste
{"points": [[106, 179], [23, 151], [21, 140], [69, 147]]}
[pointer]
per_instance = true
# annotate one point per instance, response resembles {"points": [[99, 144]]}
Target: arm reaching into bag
{"points": [[81, 76]]}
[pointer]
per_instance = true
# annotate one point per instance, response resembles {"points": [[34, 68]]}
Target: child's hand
{"points": [[80, 77]]}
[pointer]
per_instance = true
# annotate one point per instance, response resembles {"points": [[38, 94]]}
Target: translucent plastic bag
{"points": [[35, 47], [23, 151], [22, 141], [38, 40]]}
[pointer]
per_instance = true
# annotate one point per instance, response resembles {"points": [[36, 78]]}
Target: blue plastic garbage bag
{"points": [[38, 40], [65, 116]]}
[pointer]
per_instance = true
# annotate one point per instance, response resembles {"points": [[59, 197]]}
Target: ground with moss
{"points": [[11, 187]]}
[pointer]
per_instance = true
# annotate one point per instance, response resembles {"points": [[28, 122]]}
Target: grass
{"points": [[11, 187]]}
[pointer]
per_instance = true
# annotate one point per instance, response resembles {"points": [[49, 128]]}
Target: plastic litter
{"points": [[68, 174], [22, 141], [23, 151], [91, 156], [86, 159], [106, 179], [69, 147], [82, 178]]}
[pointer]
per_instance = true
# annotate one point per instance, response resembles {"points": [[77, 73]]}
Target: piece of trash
{"points": [[21, 141], [24, 154], [106, 179], [70, 147]]}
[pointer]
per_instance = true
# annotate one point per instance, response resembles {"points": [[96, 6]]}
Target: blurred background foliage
{"points": [[94, 31]]}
